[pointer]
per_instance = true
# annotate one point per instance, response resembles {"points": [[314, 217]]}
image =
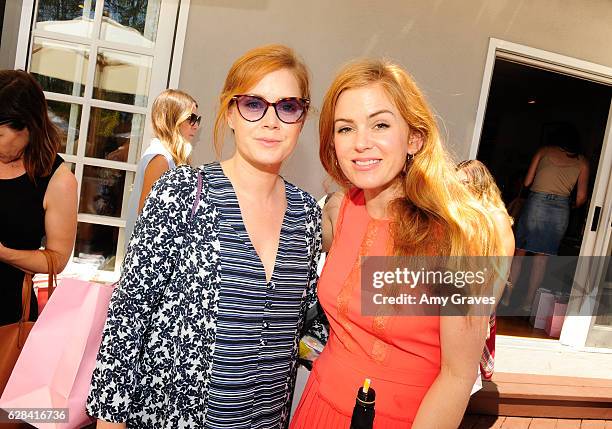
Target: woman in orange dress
{"points": [[402, 196]]}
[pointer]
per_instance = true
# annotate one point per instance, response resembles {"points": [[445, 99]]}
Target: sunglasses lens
{"points": [[251, 108], [290, 110], [194, 119]]}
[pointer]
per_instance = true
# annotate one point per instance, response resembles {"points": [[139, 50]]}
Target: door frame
{"points": [[576, 328]]}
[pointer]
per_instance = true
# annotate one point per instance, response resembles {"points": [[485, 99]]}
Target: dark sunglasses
{"points": [[194, 119], [253, 107]]}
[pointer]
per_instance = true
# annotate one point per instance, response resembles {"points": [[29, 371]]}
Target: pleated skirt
{"points": [[329, 396]]}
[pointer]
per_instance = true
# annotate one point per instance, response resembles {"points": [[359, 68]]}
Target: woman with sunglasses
{"points": [[203, 329], [402, 197], [175, 122], [38, 194]]}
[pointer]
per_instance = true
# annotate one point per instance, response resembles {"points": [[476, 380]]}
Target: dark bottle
{"points": [[363, 413]]}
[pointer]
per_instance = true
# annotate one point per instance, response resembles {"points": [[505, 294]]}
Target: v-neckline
{"points": [[242, 228]]}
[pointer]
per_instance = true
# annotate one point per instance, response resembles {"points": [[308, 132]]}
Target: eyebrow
{"points": [[369, 116], [265, 98]]}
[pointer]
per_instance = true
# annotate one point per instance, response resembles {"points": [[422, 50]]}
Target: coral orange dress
{"points": [[400, 354]]}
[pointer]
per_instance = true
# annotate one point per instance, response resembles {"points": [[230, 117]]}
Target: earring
{"points": [[409, 157]]}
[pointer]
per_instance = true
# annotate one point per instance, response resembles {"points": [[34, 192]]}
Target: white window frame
{"points": [[576, 328], [167, 58]]}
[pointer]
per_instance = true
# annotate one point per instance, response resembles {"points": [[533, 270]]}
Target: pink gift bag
{"points": [[543, 307], [535, 304], [554, 322], [55, 366]]}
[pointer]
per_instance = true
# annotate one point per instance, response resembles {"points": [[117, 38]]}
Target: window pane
{"points": [[70, 165], [604, 305], [74, 17], [114, 135], [102, 191], [95, 239], [67, 117], [122, 77], [60, 66], [133, 22]]}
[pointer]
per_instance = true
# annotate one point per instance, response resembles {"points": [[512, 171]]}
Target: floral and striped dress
{"points": [[196, 337]]}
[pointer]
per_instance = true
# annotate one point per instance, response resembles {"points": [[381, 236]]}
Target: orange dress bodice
{"points": [[400, 354]]}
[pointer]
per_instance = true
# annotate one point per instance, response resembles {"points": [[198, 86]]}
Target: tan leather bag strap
{"points": [[26, 289], [52, 270], [26, 293]]}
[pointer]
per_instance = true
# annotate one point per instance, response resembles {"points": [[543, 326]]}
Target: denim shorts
{"points": [[542, 223]]}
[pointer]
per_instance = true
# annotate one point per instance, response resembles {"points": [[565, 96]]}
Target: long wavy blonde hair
{"points": [[247, 71], [482, 184], [437, 214], [171, 108]]}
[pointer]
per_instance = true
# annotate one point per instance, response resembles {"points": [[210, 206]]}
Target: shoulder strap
{"points": [[198, 194]]}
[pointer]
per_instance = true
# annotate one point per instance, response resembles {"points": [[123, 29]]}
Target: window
{"points": [[101, 63]]}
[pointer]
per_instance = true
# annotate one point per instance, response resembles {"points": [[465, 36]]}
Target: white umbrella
{"points": [[117, 71]]}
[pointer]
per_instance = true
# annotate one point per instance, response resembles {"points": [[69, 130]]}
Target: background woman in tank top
{"points": [[553, 173], [38, 193], [175, 122]]}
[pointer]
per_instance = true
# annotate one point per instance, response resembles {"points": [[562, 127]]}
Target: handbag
{"points": [[13, 336], [69, 352]]}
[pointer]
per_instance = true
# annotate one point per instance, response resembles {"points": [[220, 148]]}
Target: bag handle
{"points": [[26, 289], [52, 270], [26, 293]]}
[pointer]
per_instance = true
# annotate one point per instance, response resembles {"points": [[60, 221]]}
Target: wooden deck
{"points": [[549, 397], [500, 422]]}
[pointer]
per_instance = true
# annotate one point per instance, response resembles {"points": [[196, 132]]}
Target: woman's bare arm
{"points": [[582, 184], [155, 169], [503, 229], [330, 216], [461, 341], [531, 171]]}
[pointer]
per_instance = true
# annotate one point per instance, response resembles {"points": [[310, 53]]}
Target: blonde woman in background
{"points": [[380, 141], [175, 122], [476, 176]]}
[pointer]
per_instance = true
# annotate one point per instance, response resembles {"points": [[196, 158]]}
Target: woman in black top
{"points": [[38, 194]]}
